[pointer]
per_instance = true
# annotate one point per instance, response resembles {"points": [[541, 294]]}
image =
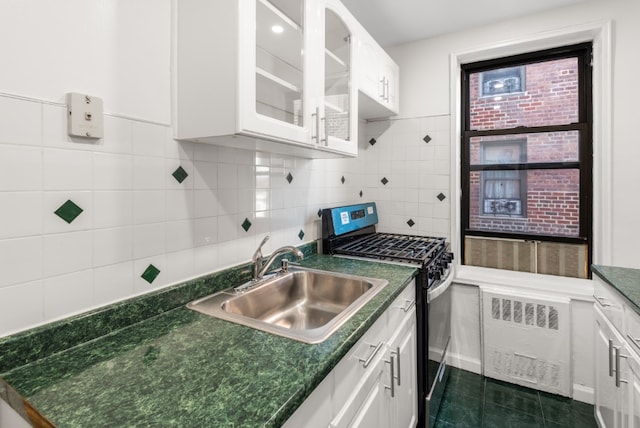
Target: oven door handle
{"points": [[433, 294]]}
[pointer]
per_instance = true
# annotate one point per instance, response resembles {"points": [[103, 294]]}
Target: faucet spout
{"points": [[259, 271], [257, 258]]}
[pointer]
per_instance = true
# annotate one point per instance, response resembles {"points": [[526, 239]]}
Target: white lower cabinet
{"points": [[617, 361], [375, 384]]}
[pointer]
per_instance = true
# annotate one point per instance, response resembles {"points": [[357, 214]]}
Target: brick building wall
{"points": [[549, 198]]}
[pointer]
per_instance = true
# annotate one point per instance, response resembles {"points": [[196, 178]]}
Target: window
{"points": [[527, 161]]}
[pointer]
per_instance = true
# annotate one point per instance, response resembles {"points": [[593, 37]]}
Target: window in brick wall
{"points": [[527, 160]]}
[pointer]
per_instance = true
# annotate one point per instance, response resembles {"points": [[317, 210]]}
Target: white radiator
{"points": [[527, 340]]}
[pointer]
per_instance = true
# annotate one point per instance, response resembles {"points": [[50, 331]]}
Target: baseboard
{"points": [[463, 362], [583, 393]]}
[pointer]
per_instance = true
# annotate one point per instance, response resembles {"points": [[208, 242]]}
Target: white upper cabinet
{"points": [[272, 75], [378, 79]]}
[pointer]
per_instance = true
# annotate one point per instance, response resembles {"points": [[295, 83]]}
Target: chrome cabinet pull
{"points": [[383, 81], [602, 301], [386, 90], [397, 352], [326, 131], [618, 357], [317, 116], [366, 361], [412, 303], [610, 358], [392, 377]]}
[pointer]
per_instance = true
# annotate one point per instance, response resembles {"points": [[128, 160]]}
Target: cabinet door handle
{"points": [[325, 140], [397, 352], [634, 340], [408, 307], [616, 350], [384, 79], [392, 377], [610, 358], [386, 90], [602, 301], [317, 116], [366, 361]]}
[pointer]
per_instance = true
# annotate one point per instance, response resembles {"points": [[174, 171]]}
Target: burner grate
{"points": [[389, 246]]}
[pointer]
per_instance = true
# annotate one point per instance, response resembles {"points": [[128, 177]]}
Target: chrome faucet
{"points": [[259, 269]]}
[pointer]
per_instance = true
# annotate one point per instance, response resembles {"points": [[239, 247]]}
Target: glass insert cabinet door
{"points": [[279, 70], [337, 77]]}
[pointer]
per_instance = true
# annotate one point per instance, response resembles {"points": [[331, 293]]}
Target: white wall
{"points": [[116, 49]]}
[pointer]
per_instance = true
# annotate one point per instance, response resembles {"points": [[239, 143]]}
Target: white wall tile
{"points": [[20, 168], [67, 294], [205, 231], [149, 139], [205, 175], [227, 176], [112, 172], [205, 259], [228, 201], [112, 283], [149, 206], [20, 260], [228, 254], [179, 266], [205, 152], [54, 200], [21, 122], [148, 240], [14, 314], [179, 149], [179, 235], [112, 246], [205, 203], [67, 252], [228, 227], [67, 169], [118, 135], [112, 209], [179, 205], [149, 173], [21, 214]]}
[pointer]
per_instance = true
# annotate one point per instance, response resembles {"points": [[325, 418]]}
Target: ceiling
{"points": [[393, 22]]}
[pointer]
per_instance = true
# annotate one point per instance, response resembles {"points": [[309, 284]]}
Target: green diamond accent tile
{"points": [[150, 273], [246, 224], [301, 234], [384, 181], [68, 211], [343, 179], [289, 178], [180, 174], [320, 212]]}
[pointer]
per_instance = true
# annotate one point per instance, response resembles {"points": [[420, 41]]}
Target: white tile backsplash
{"points": [[67, 294], [67, 252], [135, 213], [20, 168], [21, 214]]}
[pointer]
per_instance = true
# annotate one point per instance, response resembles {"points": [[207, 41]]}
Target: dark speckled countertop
{"points": [[177, 367], [625, 280]]}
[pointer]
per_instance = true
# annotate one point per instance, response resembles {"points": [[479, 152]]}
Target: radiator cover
{"points": [[527, 340]]}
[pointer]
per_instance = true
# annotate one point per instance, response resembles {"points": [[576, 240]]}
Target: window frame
{"points": [[584, 126]]}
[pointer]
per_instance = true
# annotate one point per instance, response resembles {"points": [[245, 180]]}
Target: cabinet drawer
{"points": [[359, 362], [403, 306], [609, 302]]}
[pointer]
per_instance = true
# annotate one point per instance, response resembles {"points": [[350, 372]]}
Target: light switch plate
{"points": [[84, 116]]}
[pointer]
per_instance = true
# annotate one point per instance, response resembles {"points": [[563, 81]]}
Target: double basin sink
{"points": [[299, 303]]}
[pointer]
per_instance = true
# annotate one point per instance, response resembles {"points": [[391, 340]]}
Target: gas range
{"points": [[350, 231]]}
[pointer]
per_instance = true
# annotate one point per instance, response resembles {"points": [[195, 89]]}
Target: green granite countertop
{"points": [[625, 280], [177, 367]]}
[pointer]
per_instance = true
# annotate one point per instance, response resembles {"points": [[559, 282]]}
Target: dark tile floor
{"points": [[471, 400]]}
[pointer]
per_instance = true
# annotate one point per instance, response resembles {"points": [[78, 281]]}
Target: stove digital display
{"points": [[355, 215]]}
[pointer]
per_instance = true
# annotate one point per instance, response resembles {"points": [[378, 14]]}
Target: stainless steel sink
{"points": [[303, 304]]}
